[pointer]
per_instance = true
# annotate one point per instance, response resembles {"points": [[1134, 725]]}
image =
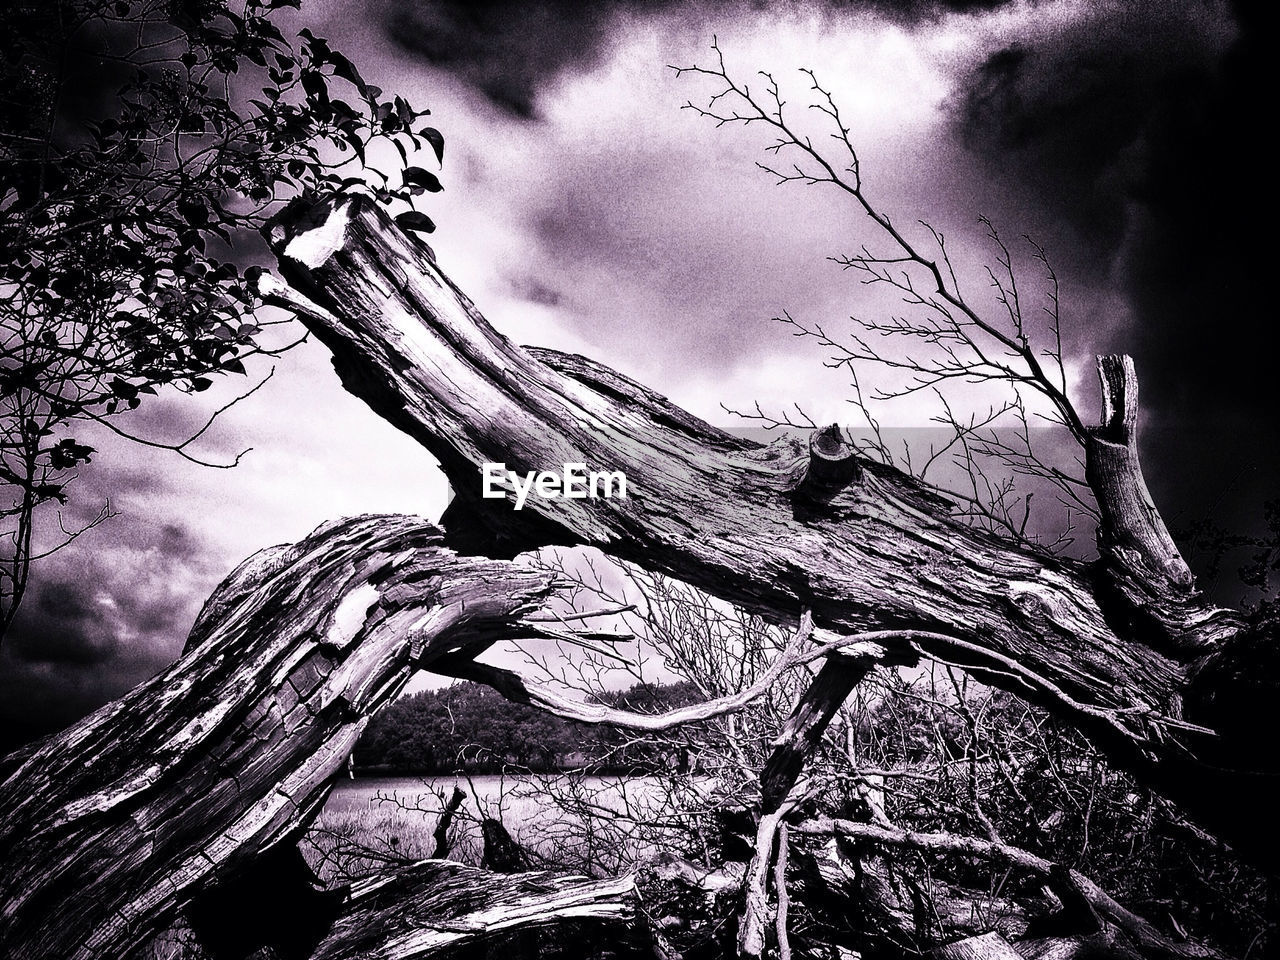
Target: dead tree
{"points": [[1172, 688], [196, 784], [186, 797]]}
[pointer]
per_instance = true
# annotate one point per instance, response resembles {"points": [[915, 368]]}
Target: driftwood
{"points": [[1073, 889], [188, 784], [986, 946], [438, 908], [1172, 688]]}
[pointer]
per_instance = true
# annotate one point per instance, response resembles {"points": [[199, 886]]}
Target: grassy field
{"points": [[374, 823]]}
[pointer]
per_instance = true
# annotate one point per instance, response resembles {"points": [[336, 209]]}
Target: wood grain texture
{"points": [[986, 946], [438, 908], [1147, 583]]}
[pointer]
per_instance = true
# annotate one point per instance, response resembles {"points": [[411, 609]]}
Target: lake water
{"points": [[491, 794]]}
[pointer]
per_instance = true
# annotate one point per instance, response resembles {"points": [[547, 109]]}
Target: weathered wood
{"points": [[804, 729], [866, 901], [720, 512], [757, 907], [113, 825], [439, 908], [986, 946], [690, 912], [779, 783], [1147, 584], [782, 916], [832, 466], [1097, 946]]}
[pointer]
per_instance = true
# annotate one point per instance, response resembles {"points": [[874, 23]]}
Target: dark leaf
{"points": [[413, 220], [313, 83], [194, 212], [345, 69], [418, 177], [436, 139]]}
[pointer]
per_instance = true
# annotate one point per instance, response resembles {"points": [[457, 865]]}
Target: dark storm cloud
{"points": [[1205, 331], [507, 49], [1071, 119], [1121, 133], [95, 623], [1137, 128], [510, 49], [62, 625]]}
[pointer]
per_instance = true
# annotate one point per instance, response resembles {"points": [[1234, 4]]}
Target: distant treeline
{"points": [[468, 727]]}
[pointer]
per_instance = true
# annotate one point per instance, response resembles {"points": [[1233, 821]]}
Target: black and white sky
{"points": [[584, 210]]}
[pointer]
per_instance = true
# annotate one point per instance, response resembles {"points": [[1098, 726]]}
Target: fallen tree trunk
{"points": [[987, 946], [189, 793], [442, 909], [195, 776], [1170, 687]]}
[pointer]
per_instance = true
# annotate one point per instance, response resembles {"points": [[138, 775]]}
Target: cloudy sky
{"points": [[586, 211]]}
